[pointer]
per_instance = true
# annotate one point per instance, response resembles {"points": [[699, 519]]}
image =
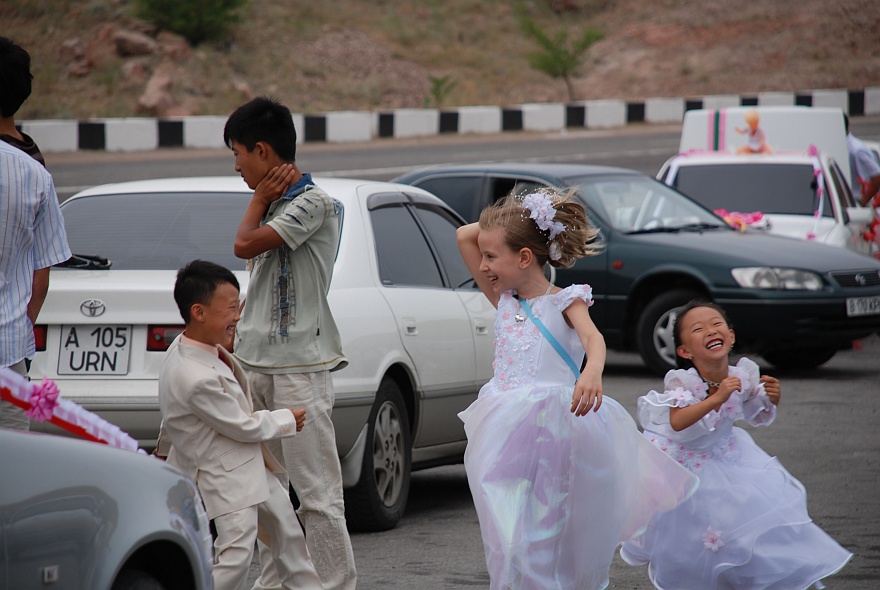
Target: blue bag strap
{"points": [[550, 338]]}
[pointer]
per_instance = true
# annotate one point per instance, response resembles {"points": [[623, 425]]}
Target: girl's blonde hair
{"points": [[560, 238]]}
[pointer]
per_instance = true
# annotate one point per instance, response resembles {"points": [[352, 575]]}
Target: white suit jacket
{"points": [[215, 435]]}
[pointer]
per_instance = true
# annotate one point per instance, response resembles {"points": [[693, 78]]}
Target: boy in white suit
{"points": [[216, 437]]}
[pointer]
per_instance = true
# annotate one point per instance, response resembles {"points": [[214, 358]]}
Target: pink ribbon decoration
{"points": [[43, 400], [740, 220]]}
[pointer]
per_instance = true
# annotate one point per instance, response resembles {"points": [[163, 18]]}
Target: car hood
{"points": [[737, 249]]}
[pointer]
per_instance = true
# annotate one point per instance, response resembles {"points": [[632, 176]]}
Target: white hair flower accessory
{"points": [[541, 209]]}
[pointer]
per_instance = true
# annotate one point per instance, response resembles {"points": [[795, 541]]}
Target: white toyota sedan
{"points": [[417, 332]]}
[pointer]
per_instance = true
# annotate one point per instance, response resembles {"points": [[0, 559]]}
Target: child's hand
{"points": [[771, 387], [274, 184], [587, 394], [727, 386], [300, 416]]}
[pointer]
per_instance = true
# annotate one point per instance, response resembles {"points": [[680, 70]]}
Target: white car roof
{"points": [[698, 158], [339, 188]]}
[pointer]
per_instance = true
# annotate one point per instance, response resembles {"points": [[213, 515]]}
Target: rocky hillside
{"points": [[91, 58]]}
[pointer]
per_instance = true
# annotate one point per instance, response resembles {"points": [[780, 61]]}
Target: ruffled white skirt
{"points": [[556, 493], [746, 528]]}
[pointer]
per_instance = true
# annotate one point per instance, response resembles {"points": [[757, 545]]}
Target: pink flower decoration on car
{"points": [[712, 540], [813, 151], [43, 400], [740, 220]]}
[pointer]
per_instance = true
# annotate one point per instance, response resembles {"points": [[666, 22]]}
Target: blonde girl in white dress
{"points": [[559, 472]]}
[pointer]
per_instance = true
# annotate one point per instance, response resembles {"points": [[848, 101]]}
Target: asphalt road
{"points": [[641, 147], [826, 433]]}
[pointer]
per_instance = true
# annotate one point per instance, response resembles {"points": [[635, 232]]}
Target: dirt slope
{"points": [[357, 55]]}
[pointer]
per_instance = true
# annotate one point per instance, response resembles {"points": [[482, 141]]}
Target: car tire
{"points": [[134, 579], [799, 358], [654, 329], [377, 501]]}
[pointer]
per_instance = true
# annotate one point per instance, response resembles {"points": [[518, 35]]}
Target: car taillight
{"points": [[40, 337], [159, 338]]}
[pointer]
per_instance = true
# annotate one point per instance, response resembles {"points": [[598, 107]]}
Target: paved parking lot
{"points": [[826, 435]]}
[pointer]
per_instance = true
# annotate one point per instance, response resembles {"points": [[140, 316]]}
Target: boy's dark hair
{"points": [[683, 363], [196, 283], [262, 119], [15, 76]]}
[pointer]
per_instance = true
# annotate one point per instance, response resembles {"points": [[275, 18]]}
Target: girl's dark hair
{"points": [[578, 240], [197, 282], [262, 119], [681, 362]]}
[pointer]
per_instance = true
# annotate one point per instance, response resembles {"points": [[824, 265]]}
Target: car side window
{"points": [[440, 227], [462, 193], [502, 187], [403, 254], [846, 196]]}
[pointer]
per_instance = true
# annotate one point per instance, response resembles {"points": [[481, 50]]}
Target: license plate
{"points": [[856, 306], [94, 350]]}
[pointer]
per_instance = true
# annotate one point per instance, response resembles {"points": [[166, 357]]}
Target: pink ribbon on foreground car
{"points": [[42, 403]]}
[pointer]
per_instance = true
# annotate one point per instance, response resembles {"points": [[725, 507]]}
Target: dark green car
{"points": [[793, 302]]}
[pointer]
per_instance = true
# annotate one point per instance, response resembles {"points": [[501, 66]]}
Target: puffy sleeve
{"points": [[567, 296], [757, 409], [682, 388]]}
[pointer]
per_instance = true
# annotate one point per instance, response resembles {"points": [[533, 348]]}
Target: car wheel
{"points": [[799, 358], [378, 500], [133, 579], [655, 335]]}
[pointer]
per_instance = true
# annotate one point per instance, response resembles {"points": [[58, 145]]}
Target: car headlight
{"points": [[765, 277]]}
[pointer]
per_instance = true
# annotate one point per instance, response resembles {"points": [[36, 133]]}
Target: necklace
{"points": [[522, 318], [710, 383]]}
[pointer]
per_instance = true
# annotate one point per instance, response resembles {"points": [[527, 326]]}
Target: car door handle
{"points": [[409, 327], [480, 328]]}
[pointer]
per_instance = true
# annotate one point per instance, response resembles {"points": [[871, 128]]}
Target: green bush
{"points": [[197, 20], [441, 87], [557, 56]]}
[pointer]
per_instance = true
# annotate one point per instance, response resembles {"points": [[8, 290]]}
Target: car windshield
{"points": [[641, 204], [770, 188], [160, 231]]}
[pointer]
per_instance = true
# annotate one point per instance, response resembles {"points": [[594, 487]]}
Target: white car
{"points": [[781, 188], [762, 168], [417, 332]]}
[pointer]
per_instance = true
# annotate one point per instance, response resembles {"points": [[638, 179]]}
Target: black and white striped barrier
{"points": [[149, 133]]}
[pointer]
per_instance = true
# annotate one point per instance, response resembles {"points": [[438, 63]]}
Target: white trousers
{"points": [[278, 529], [312, 464]]}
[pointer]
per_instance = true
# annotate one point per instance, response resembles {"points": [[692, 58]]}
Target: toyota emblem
{"points": [[92, 308]]}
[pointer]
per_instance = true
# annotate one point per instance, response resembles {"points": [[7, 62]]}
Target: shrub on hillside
{"points": [[556, 55], [197, 20]]}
